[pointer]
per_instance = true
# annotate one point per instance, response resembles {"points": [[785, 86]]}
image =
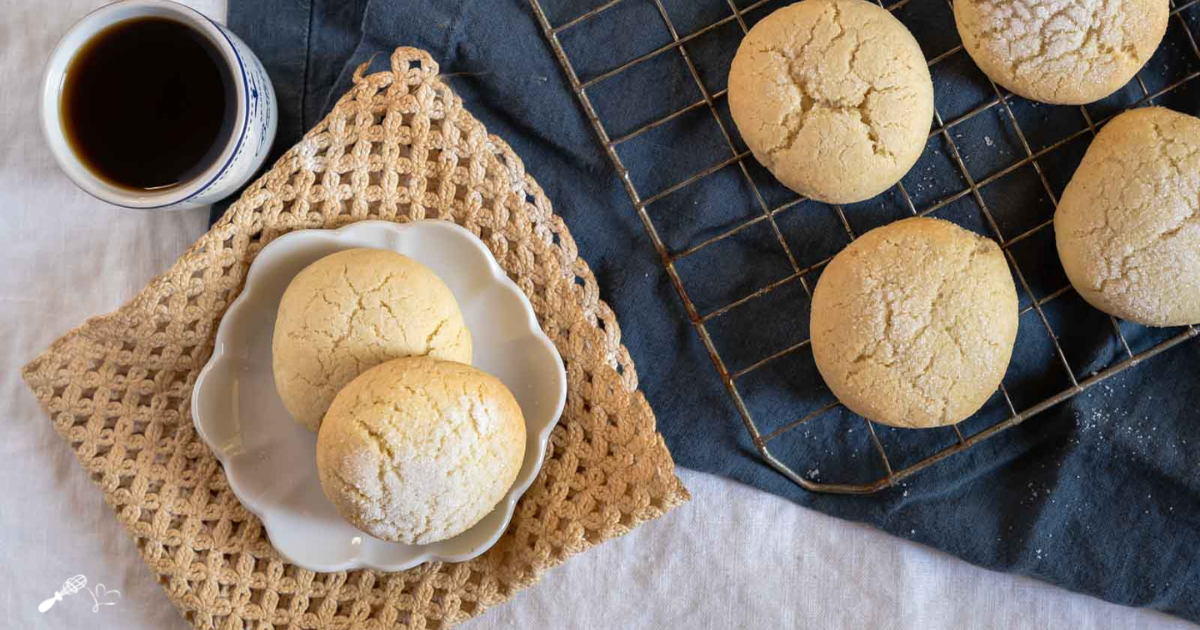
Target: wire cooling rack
{"points": [[1038, 149]]}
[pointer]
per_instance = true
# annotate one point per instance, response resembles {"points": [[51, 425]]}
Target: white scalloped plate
{"points": [[271, 461]]}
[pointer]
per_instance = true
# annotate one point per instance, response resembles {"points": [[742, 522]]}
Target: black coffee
{"points": [[145, 103]]}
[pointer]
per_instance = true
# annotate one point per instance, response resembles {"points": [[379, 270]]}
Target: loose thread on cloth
{"points": [[399, 146]]}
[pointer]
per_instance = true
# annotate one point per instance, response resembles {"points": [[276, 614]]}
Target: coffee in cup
{"points": [[149, 104]]}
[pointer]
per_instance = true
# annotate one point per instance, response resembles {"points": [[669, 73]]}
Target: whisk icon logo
{"points": [[70, 587], [100, 595]]}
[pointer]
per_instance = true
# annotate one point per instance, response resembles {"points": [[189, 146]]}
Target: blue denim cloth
{"points": [[1100, 494]]}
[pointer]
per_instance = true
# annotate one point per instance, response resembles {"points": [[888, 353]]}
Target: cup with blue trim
{"points": [[150, 104]]}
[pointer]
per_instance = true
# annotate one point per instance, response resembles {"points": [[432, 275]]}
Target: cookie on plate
{"points": [[913, 324], [418, 450], [1128, 225], [1067, 52], [353, 310], [834, 97]]}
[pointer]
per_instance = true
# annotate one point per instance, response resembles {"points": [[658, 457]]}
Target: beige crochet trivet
{"points": [[398, 147]]}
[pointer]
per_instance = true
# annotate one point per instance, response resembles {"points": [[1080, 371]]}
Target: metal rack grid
{"points": [[941, 128]]}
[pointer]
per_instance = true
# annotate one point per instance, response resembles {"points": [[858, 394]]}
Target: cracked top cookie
{"points": [[1128, 225], [913, 324], [351, 311], [418, 450], [833, 97], [1067, 52]]}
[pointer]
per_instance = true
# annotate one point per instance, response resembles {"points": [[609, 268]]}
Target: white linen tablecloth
{"points": [[733, 557]]}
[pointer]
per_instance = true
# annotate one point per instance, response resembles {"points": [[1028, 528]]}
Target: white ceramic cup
{"points": [[253, 126]]}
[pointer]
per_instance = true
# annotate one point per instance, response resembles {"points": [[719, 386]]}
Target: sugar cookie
{"points": [[1128, 225], [833, 97], [353, 310], [418, 450], [913, 324], [1067, 52]]}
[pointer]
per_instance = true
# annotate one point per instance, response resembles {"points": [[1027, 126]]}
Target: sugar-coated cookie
{"points": [[353, 310], [1067, 52], [418, 450], [1128, 225], [833, 97], [913, 324]]}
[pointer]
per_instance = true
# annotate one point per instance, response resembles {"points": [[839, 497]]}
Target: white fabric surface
{"points": [[733, 557]]}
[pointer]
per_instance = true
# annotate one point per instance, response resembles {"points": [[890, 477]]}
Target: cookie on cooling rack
{"points": [[353, 310], [834, 97], [418, 450], [1128, 225], [913, 324], [1067, 52]]}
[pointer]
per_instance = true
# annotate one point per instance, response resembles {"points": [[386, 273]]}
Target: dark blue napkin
{"points": [[1100, 494]]}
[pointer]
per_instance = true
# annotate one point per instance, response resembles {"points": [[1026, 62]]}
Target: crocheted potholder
{"points": [[399, 147]]}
